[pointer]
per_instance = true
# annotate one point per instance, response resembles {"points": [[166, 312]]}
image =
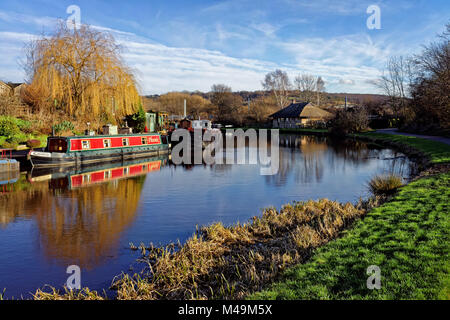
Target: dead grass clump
{"points": [[385, 184], [83, 294]]}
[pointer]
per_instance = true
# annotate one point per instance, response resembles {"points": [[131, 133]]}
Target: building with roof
{"points": [[5, 89], [18, 88], [298, 115]]}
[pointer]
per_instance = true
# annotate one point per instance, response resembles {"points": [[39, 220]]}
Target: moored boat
{"points": [[84, 150]]}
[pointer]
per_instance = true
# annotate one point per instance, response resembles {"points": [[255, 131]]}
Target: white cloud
{"points": [[347, 82], [341, 7], [160, 68], [340, 59]]}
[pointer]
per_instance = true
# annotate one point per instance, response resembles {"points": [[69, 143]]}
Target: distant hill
{"points": [[358, 98]]}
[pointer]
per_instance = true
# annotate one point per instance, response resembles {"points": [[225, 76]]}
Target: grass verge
{"points": [[408, 238]]}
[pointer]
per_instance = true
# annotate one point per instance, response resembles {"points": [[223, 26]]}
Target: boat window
{"points": [[125, 142], [85, 144], [107, 143], [144, 140]]}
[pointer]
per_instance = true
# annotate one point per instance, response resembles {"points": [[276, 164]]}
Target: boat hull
{"points": [[75, 159]]}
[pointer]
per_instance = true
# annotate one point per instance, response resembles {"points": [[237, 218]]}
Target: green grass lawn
{"points": [[407, 237]]}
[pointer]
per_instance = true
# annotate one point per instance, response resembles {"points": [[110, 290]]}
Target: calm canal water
{"points": [[49, 221]]}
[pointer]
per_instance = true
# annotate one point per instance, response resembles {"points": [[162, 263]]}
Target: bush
{"points": [[8, 126], [24, 126], [63, 126], [350, 121], [137, 120], [385, 184]]}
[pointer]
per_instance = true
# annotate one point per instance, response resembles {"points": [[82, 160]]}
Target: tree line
{"points": [[418, 87]]}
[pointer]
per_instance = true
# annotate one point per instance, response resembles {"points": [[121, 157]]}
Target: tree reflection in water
{"points": [[303, 157], [79, 226]]}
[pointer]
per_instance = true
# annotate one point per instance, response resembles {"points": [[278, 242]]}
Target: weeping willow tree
{"points": [[81, 73]]}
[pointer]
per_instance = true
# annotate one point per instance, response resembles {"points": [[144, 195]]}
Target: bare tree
{"points": [[306, 85], [395, 82], [227, 103], [320, 87], [431, 86], [279, 84]]}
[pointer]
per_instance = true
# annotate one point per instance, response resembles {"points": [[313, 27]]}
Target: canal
{"points": [[89, 217]]}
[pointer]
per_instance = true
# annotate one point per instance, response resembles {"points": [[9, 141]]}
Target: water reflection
{"points": [[307, 158], [80, 214]]}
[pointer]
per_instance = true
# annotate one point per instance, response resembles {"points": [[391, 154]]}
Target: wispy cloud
{"points": [[162, 68], [13, 17], [267, 29]]}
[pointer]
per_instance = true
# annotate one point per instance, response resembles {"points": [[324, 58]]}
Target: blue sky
{"points": [[190, 45]]}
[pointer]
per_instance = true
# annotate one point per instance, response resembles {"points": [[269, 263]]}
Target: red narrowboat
{"points": [[85, 150]]}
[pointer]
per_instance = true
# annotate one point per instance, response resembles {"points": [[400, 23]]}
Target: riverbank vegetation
{"points": [[385, 184], [408, 238], [14, 131], [220, 262]]}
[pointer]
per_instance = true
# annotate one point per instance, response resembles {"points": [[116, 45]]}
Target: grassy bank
{"points": [[408, 238]]}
